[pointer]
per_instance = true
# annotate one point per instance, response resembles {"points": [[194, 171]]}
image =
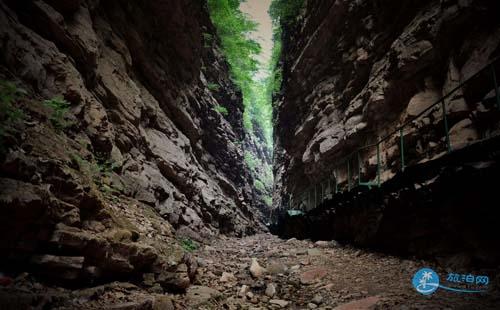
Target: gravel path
{"points": [[306, 275], [265, 272]]}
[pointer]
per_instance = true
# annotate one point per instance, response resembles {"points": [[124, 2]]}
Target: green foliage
{"points": [[213, 86], [260, 110], [59, 108], [9, 113], [189, 245], [250, 161], [233, 28], [222, 110], [267, 176], [276, 76], [106, 166], [285, 11], [99, 171], [268, 200], [259, 185]]}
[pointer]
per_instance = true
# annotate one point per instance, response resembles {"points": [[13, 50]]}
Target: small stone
{"points": [[313, 252], [365, 303], [249, 295], [327, 287], [322, 244], [197, 295], [227, 277], [243, 290], [163, 303], [156, 289], [276, 268], [317, 299], [313, 275], [279, 302], [61, 262], [148, 279], [209, 249], [270, 290], [255, 269], [311, 306], [301, 252], [139, 304], [201, 262]]}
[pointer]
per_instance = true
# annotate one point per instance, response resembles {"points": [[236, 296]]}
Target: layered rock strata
{"points": [[353, 71], [117, 149]]}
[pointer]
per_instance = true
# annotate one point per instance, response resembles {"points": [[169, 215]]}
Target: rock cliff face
{"points": [[98, 189], [355, 70]]}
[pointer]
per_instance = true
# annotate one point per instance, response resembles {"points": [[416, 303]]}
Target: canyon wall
{"points": [[118, 146], [353, 71]]}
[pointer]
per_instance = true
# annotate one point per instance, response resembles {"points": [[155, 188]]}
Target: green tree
{"points": [[285, 11], [233, 28]]}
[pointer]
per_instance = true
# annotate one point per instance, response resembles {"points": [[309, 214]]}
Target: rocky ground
{"points": [[265, 272]]}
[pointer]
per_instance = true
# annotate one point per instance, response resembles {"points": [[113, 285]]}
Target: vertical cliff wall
{"points": [[353, 71], [112, 142]]}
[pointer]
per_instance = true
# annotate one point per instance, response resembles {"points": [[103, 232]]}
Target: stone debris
{"points": [[270, 290], [243, 291], [323, 244], [313, 252], [255, 269], [317, 299], [279, 302], [227, 277], [313, 275], [343, 278], [362, 304], [199, 295]]}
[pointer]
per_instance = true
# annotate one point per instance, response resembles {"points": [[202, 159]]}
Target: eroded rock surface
{"points": [[356, 70], [104, 188]]}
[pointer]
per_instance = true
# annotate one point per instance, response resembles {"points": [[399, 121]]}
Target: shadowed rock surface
{"points": [[123, 184], [355, 71], [138, 158], [442, 210]]}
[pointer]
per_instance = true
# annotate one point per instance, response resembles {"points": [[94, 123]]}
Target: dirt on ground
{"points": [[265, 272]]}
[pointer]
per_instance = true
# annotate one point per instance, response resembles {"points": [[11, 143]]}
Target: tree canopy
{"points": [[233, 28]]}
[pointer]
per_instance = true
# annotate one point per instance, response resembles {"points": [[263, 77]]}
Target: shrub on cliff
{"points": [[9, 113]]}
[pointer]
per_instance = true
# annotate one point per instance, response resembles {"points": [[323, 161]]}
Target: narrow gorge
{"points": [[227, 154]]}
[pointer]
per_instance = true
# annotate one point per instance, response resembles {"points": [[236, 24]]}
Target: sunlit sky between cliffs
{"points": [[257, 11]]}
